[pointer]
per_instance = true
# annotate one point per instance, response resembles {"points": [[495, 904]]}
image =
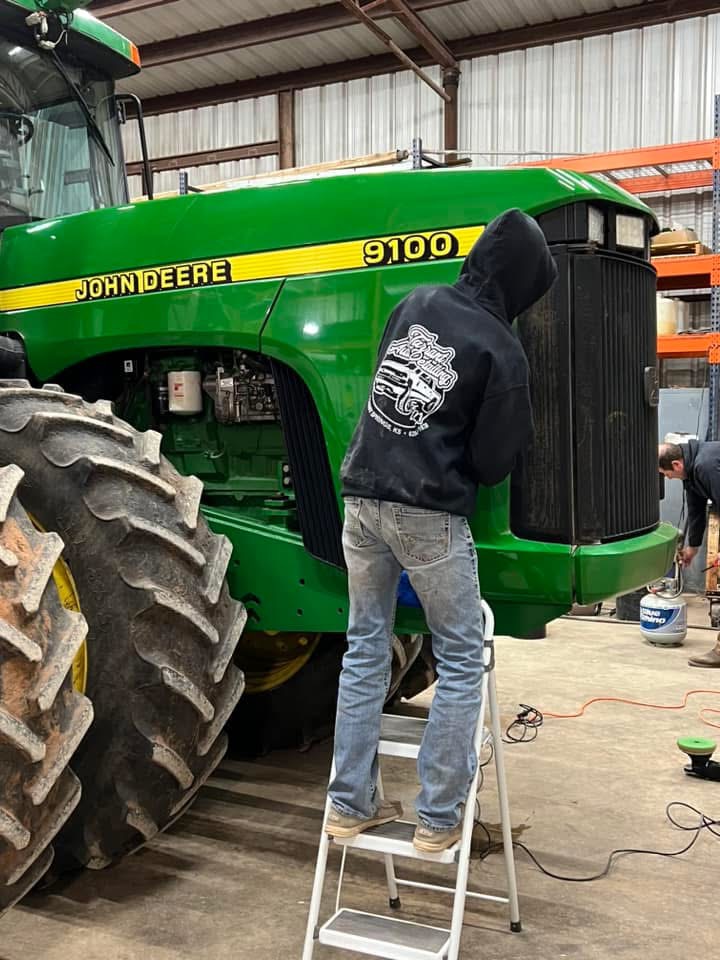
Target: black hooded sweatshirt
{"points": [[449, 407], [702, 483]]}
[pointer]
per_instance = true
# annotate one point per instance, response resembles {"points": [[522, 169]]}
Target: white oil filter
{"points": [[185, 392]]}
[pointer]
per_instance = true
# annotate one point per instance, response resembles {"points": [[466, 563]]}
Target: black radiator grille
{"points": [[592, 472], [542, 485], [629, 346], [317, 506]]}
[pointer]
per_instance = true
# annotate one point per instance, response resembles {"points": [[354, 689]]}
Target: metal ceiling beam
{"points": [[118, 8], [283, 26], [556, 31], [429, 40], [356, 10]]}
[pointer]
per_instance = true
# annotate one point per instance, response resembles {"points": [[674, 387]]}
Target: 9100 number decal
{"points": [[410, 249]]}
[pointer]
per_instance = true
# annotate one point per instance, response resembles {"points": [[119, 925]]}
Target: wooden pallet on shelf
{"points": [[688, 248]]}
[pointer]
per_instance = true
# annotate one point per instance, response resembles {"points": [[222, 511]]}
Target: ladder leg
{"points": [[317, 890], [505, 822], [393, 893], [463, 869]]}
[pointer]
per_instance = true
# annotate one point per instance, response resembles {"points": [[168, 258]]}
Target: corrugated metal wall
{"points": [[634, 88], [207, 128]]}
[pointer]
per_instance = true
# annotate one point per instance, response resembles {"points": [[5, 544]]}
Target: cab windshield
{"points": [[51, 164]]}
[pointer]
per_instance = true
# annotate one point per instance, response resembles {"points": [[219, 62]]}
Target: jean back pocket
{"points": [[424, 535]]}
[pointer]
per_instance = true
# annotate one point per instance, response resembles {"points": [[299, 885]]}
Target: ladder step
{"points": [[384, 936], [395, 838], [401, 736]]}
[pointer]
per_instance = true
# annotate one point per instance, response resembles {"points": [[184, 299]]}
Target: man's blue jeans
{"points": [[380, 540]]}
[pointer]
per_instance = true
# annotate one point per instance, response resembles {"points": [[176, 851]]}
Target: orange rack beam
{"points": [[627, 159], [657, 180], [687, 272], [683, 345]]}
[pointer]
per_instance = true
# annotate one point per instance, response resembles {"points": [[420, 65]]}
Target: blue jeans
{"points": [[380, 540]]}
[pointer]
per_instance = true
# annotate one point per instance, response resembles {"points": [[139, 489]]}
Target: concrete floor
{"points": [[231, 880]]}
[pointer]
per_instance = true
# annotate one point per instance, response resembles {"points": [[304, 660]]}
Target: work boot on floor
{"points": [[340, 825], [709, 659]]}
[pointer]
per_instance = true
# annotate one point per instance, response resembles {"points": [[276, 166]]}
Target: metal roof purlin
{"points": [[434, 45], [325, 17], [357, 10]]}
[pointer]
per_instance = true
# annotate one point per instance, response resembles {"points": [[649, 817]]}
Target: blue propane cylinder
{"points": [[663, 620]]}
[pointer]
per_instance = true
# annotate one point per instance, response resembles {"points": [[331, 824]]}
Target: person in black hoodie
{"points": [[449, 410], [697, 464]]}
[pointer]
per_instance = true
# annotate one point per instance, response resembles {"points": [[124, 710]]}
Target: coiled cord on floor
{"points": [[524, 728]]}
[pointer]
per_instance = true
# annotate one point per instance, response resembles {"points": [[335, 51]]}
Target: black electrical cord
{"points": [[528, 721], [705, 823], [525, 726]]}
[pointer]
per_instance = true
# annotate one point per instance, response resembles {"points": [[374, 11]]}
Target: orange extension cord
{"points": [[641, 703]]}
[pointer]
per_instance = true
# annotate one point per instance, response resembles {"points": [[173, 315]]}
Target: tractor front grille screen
{"points": [[592, 472], [630, 428]]}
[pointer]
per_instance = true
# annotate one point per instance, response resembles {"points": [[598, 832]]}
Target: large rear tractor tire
{"points": [[163, 629], [301, 711], [42, 719], [295, 714]]}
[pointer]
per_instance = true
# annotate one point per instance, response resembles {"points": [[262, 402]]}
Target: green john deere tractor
{"points": [[195, 364]]}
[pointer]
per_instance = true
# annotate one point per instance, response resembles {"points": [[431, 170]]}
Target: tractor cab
{"points": [[60, 144]]}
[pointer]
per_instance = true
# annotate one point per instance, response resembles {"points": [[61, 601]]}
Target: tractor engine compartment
{"points": [[219, 415]]}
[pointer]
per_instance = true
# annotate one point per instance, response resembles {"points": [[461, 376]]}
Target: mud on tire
{"points": [[162, 626], [41, 719]]}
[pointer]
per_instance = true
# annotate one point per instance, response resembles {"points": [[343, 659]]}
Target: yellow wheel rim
{"points": [[270, 659], [70, 599]]}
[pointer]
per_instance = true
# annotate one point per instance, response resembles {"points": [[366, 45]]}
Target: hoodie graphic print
{"points": [[411, 382], [449, 405]]}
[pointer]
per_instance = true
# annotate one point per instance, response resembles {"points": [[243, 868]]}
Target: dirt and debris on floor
{"points": [[232, 879]]}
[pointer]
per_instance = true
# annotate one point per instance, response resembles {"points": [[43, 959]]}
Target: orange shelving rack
{"points": [[647, 169]]}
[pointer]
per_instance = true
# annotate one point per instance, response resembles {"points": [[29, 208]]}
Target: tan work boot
{"points": [[340, 825], [709, 659], [435, 841]]}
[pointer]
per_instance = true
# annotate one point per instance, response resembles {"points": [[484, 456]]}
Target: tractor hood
{"points": [[350, 222]]}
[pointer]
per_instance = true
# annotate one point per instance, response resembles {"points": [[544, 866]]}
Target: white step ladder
{"points": [[390, 937]]}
